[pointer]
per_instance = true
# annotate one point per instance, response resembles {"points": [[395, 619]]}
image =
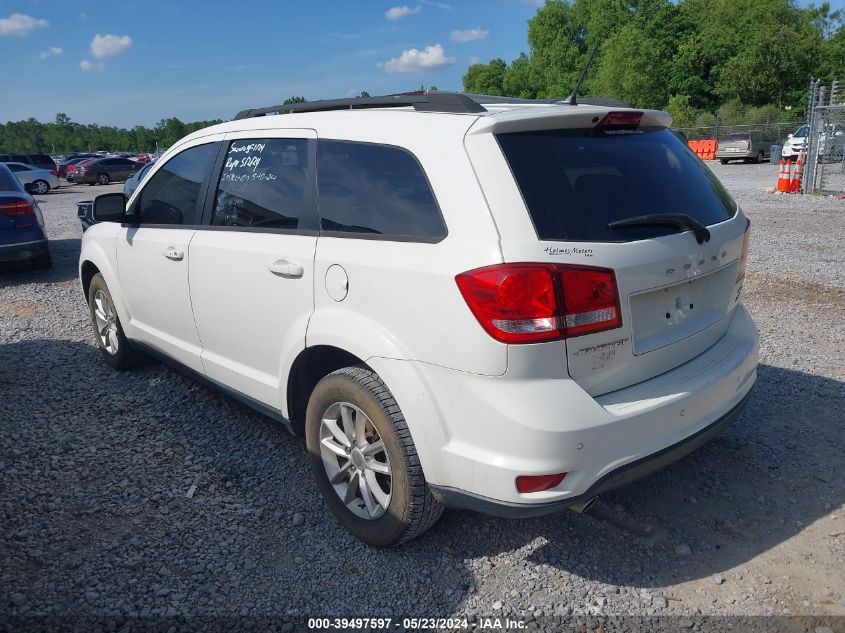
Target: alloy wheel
{"points": [[105, 318], [355, 460]]}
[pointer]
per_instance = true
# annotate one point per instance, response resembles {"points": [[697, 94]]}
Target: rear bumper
{"points": [[623, 475], [735, 155], [476, 434], [23, 250]]}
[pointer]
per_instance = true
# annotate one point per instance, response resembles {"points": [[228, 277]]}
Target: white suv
{"points": [[507, 307]]}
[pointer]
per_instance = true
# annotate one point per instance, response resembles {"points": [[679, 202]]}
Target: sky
{"points": [[135, 62]]}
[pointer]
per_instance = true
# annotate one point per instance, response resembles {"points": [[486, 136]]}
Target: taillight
{"points": [[21, 210], [530, 303], [623, 119], [53, 172], [69, 169], [536, 483], [743, 256], [590, 299]]}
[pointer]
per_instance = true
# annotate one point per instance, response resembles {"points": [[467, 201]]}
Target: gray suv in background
{"points": [[754, 146]]}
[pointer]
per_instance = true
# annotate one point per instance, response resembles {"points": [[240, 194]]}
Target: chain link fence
{"points": [[777, 131], [824, 170]]}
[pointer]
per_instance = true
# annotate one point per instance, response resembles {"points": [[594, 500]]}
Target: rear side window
{"points": [[375, 190], [576, 182], [265, 183], [170, 196]]}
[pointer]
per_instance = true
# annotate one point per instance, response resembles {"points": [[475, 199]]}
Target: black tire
{"points": [[724, 161], [759, 158], [412, 508], [40, 187], [125, 357], [42, 261], [103, 179]]}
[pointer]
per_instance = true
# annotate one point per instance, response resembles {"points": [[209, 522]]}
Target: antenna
{"points": [[572, 98]]}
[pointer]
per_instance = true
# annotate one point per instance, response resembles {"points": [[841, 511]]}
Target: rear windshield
{"points": [[8, 182], [576, 182], [742, 136]]}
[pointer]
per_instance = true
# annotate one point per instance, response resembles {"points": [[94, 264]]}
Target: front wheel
{"points": [[111, 341], [364, 460], [103, 179]]}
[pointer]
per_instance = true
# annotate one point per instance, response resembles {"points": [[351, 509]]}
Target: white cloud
{"points": [[439, 5], [21, 25], [430, 58], [397, 13], [53, 51], [108, 45], [86, 65], [469, 35]]}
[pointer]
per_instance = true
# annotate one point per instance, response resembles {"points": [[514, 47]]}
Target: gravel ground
{"points": [[146, 494]]}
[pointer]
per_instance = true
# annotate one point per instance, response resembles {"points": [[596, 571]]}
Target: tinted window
{"points": [[16, 168], [20, 158], [264, 184], [8, 182], [171, 195], [575, 182], [741, 136], [375, 189]]}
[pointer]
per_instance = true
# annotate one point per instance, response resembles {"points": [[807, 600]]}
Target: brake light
{"points": [[743, 256], [531, 303], [21, 210], [69, 169], [590, 299], [53, 172], [620, 119], [536, 483]]}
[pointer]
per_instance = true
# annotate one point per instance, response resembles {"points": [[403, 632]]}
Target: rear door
{"points": [[555, 191], [252, 261]]}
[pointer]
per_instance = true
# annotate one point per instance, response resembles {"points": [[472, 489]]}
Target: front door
{"points": [[252, 263], [153, 257]]}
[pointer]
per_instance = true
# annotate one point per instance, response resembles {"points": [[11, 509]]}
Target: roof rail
{"points": [[599, 101], [453, 102]]}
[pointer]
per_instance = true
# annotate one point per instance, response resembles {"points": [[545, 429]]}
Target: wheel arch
{"points": [[309, 367]]}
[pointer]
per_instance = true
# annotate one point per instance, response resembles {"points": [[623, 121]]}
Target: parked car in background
{"points": [[39, 160], [752, 146], [72, 170], [70, 163], [22, 235], [34, 179], [795, 142], [102, 171], [133, 182]]}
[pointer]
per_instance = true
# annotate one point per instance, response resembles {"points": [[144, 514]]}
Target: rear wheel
{"points": [[108, 331], [724, 161], [40, 187], [364, 459], [103, 179], [759, 158]]}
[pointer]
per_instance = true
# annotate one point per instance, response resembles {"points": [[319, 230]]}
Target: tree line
{"points": [[63, 136], [698, 59]]}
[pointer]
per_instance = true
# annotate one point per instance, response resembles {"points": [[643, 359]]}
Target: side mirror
{"points": [[110, 207]]}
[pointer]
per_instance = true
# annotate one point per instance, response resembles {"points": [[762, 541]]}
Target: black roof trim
{"points": [[611, 102], [453, 102]]}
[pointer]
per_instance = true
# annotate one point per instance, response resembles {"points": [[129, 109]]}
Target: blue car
{"points": [[22, 235]]}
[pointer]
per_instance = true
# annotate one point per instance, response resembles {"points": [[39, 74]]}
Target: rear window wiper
{"points": [[678, 220]]}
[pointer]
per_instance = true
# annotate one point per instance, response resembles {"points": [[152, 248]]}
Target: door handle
{"points": [[173, 254], [284, 268]]}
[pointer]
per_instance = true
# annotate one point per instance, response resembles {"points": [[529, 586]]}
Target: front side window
{"points": [[265, 183], [377, 190], [171, 195]]}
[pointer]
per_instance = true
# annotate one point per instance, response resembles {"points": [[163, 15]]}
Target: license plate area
{"points": [[672, 313]]}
